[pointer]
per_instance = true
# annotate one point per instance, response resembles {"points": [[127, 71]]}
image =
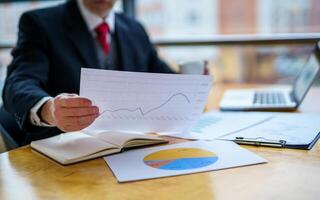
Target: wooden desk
{"points": [[290, 174]]}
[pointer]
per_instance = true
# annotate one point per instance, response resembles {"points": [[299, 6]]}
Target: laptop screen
{"points": [[306, 77]]}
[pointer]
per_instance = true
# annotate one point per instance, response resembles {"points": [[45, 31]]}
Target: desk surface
{"points": [[290, 174]]}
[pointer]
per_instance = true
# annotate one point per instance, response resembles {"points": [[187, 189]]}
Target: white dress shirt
{"points": [[92, 21]]}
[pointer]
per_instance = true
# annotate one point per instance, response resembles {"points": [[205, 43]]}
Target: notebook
{"points": [[74, 147]]}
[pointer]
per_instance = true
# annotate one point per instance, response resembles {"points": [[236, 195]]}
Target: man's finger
{"points": [[73, 102], [75, 127], [78, 121], [77, 112]]}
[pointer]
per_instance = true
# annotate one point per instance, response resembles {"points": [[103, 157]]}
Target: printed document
{"points": [[215, 124], [145, 102], [293, 128], [178, 159]]}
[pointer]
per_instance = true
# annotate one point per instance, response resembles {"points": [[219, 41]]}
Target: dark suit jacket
{"points": [[53, 44]]}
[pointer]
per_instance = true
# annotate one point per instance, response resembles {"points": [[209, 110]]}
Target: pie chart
{"points": [[180, 159]]}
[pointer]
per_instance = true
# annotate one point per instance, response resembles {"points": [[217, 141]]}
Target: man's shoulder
{"points": [[128, 21], [47, 14], [124, 18]]}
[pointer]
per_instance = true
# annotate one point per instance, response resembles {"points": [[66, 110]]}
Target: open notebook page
{"points": [[120, 139], [71, 145]]}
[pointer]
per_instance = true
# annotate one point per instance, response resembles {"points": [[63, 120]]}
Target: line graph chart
{"points": [[144, 113], [145, 102]]}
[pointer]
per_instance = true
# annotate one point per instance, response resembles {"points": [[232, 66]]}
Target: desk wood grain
{"points": [[290, 174]]}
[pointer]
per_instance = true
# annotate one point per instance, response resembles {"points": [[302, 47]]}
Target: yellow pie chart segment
{"points": [[180, 159]]}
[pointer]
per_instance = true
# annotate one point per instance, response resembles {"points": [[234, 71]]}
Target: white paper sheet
{"points": [[177, 159], [294, 128], [145, 102], [215, 124]]}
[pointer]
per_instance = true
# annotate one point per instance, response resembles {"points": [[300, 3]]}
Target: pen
{"points": [[253, 141]]}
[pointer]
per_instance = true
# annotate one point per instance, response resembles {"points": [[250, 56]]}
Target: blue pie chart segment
{"points": [[189, 163], [180, 159]]}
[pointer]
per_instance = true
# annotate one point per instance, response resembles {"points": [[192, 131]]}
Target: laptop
{"points": [[275, 99]]}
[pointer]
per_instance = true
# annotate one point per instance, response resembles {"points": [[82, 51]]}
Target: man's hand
{"points": [[69, 112]]}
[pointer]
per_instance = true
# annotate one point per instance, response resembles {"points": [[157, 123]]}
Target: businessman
{"points": [[53, 44]]}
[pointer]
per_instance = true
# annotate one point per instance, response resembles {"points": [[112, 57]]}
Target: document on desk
{"points": [[145, 102], [215, 124], [178, 159], [290, 130]]}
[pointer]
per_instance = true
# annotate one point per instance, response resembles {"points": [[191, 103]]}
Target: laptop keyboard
{"points": [[269, 98]]}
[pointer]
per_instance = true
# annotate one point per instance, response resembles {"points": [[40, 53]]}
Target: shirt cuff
{"points": [[34, 118]]}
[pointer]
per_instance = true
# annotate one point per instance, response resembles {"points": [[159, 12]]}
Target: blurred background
{"points": [[249, 41]]}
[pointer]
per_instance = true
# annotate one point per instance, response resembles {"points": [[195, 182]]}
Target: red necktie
{"points": [[102, 32]]}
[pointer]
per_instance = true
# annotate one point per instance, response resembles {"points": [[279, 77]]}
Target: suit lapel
{"points": [[79, 35], [125, 45]]}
